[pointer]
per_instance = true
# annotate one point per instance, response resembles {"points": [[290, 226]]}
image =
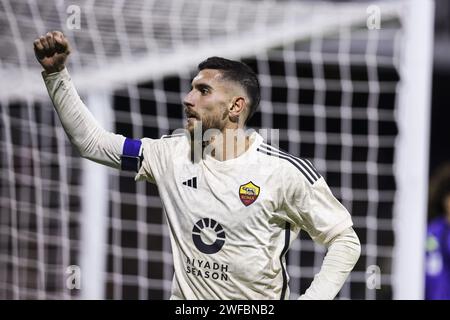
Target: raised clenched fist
{"points": [[51, 51]]}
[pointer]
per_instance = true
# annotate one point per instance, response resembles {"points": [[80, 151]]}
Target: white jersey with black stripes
{"points": [[232, 222]]}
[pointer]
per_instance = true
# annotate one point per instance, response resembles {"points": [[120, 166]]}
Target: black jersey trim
{"points": [[303, 162], [166, 136], [287, 237], [300, 167]]}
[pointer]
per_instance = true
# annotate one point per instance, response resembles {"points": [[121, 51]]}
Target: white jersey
{"points": [[232, 222]]}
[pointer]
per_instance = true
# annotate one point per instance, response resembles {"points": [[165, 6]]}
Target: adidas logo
{"points": [[191, 182]]}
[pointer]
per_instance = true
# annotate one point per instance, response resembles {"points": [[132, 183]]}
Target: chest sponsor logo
{"points": [[208, 236], [248, 193]]}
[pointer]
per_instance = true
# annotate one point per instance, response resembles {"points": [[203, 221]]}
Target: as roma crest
{"points": [[248, 193]]}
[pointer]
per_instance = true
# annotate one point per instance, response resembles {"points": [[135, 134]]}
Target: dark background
{"points": [[440, 111]]}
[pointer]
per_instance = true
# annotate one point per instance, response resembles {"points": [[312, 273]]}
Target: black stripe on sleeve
{"points": [[303, 162], [287, 238], [312, 167], [167, 136], [300, 168]]}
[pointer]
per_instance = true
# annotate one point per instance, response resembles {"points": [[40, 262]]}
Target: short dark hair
{"points": [[238, 72]]}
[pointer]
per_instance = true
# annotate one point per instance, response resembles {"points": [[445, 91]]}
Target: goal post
{"points": [[412, 154]]}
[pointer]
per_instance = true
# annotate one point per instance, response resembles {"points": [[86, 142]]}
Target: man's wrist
{"points": [[55, 74], [49, 71]]}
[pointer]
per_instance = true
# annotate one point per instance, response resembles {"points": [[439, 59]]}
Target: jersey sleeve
{"points": [[313, 208], [84, 131], [158, 156], [153, 161]]}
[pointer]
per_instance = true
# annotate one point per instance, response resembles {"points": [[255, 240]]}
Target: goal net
{"points": [[333, 82]]}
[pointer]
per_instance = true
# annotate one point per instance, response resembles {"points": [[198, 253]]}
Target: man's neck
{"points": [[230, 144]]}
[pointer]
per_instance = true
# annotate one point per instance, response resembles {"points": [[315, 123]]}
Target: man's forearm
{"points": [[343, 253], [91, 140]]}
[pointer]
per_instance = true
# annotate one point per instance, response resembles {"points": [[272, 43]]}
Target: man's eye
{"points": [[204, 91]]}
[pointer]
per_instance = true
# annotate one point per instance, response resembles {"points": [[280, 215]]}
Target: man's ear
{"points": [[237, 108]]}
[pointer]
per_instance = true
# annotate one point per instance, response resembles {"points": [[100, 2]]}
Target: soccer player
{"points": [[232, 212]]}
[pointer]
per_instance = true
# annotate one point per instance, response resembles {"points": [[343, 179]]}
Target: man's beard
{"points": [[205, 125], [201, 133]]}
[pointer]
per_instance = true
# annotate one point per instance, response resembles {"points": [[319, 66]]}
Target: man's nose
{"points": [[187, 101]]}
